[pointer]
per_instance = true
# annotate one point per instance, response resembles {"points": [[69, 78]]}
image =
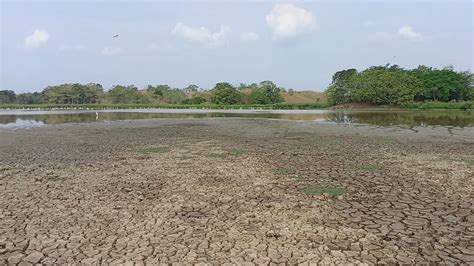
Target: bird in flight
{"points": [[115, 36]]}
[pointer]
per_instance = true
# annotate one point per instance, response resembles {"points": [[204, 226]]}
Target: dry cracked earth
{"points": [[239, 191]]}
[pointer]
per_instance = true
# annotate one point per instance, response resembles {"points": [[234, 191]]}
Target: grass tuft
{"points": [[333, 191], [237, 152], [161, 149], [282, 170], [370, 167]]}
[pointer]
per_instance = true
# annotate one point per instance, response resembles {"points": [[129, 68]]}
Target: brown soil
{"points": [[232, 190]]}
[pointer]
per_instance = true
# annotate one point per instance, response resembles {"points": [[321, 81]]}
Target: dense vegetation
{"points": [[392, 85], [420, 88], [223, 93]]}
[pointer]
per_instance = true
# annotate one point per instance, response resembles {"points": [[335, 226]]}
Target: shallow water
{"points": [[13, 119]]}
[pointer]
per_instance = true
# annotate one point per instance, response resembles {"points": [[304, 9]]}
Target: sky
{"points": [[296, 44]]}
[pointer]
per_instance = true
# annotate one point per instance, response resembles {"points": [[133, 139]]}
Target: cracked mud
{"points": [[233, 191]]}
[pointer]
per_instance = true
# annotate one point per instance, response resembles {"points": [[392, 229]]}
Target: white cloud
{"points": [[287, 20], [250, 36], [111, 51], [407, 32], [201, 35], [72, 48], [36, 39]]}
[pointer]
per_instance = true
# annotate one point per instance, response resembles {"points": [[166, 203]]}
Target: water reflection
{"points": [[382, 118]]}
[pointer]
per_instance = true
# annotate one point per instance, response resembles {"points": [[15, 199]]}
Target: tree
{"points": [[158, 90], [191, 89], [256, 96], [270, 91], [443, 84], [225, 93], [73, 93], [338, 92], [29, 98], [383, 86], [126, 94], [7, 97]]}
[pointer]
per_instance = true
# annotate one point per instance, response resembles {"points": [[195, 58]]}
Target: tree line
{"points": [[378, 85], [265, 92], [393, 85]]}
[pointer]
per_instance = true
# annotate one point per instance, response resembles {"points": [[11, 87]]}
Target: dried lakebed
{"points": [[237, 190]]}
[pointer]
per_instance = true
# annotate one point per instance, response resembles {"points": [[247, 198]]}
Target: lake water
{"points": [[13, 119]]}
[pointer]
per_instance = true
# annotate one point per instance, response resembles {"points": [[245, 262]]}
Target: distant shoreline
{"points": [[468, 105]]}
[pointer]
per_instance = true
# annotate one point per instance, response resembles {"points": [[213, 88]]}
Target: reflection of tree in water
{"points": [[445, 118], [6, 119], [383, 118]]}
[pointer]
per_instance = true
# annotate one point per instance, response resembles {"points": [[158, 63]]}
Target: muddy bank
{"points": [[236, 190]]}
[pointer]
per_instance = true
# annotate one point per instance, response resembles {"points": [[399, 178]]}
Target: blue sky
{"points": [[297, 44]]}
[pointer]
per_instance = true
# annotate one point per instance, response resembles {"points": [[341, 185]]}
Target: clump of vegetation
{"points": [[333, 191], [388, 140], [393, 85], [370, 167], [237, 152], [161, 149], [282, 170]]}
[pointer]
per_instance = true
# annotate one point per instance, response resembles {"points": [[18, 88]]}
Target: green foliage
{"points": [[333, 191], [194, 100], [128, 94], [225, 93], [73, 93], [444, 84], [282, 170], [256, 96], [338, 92], [29, 98], [7, 97], [237, 152], [270, 91], [394, 85], [383, 86], [370, 167]]}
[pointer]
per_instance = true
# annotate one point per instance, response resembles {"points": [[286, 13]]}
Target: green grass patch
{"points": [[236, 152], [370, 167], [282, 170], [388, 140], [161, 149], [333, 191]]}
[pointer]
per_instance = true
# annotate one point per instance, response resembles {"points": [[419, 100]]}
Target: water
{"points": [[15, 119]]}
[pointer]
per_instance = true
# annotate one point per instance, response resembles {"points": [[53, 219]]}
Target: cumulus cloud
{"points": [[111, 51], [250, 36], [287, 20], [36, 39], [201, 35], [407, 32]]}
